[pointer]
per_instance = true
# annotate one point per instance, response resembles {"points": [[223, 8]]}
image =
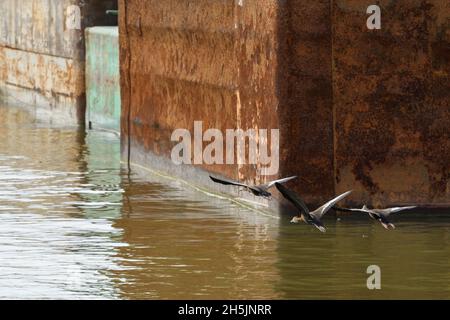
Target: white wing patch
{"points": [[272, 183], [386, 212], [318, 213]]}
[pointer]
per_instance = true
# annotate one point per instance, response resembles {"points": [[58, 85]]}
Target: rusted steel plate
{"points": [[40, 27], [357, 109], [232, 64], [51, 75], [392, 102], [181, 64], [44, 26], [42, 50], [305, 83]]}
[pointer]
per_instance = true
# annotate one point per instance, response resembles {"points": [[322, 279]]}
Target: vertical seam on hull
{"points": [[129, 88], [333, 107], [238, 98]]}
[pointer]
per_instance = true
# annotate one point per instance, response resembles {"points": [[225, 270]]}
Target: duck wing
{"points": [[318, 224], [386, 212], [350, 209], [318, 213], [293, 198], [228, 182], [272, 183]]}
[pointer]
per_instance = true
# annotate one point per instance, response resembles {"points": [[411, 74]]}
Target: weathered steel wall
{"points": [[213, 61], [42, 55], [306, 109], [182, 67], [357, 109], [392, 101], [103, 78]]}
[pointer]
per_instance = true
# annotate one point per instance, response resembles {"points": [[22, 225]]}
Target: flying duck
{"points": [[314, 217], [258, 190], [378, 214]]}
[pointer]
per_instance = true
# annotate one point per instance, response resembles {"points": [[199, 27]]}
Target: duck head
{"points": [[297, 219]]}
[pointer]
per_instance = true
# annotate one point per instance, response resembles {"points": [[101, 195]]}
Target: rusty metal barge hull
{"points": [[358, 109]]}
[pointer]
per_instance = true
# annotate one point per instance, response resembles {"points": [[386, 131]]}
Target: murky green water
{"points": [[73, 224]]}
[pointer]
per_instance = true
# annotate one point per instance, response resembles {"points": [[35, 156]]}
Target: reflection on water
{"points": [[73, 224]]}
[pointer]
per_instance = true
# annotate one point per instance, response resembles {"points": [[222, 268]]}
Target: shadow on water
{"points": [[73, 224]]}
